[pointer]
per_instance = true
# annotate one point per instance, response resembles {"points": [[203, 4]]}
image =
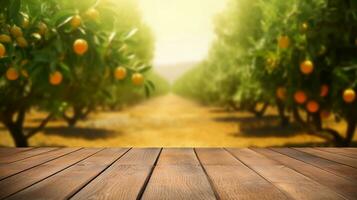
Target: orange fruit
{"points": [[42, 28], [56, 78], [281, 93], [307, 67], [92, 13], [2, 50], [349, 95], [312, 106], [11, 74], [283, 42], [324, 90], [21, 41], [76, 21], [80, 46], [137, 79], [5, 38], [300, 97], [16, 31], [120, 73], [325, 114]]}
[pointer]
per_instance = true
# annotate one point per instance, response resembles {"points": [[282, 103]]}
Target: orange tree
{"points": [[121, 53], [226, 76], [296, 54], [308, 54], [55, 55]]}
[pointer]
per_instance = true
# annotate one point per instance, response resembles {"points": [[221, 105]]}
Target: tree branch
{"points": [[40, 127]]}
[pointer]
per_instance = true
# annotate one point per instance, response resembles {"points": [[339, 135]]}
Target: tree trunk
{"points": [[351, 128], [77, 115], [316, 119], [260, 113], [18, 135], [297, 116], [16, 130], [281, 109]]}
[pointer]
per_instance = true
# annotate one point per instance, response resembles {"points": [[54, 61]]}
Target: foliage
{"points": [[297, 54], [62, 55]]}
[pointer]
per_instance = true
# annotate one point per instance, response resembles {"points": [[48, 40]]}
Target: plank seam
{"points": [[39, 164], [331, 158], [297, 149], [337, 153], [142, 189], [54, 173], [311, 179], [208, 178], [315, 165], [30, 156], [11, 154], [287, 195], [101, 172]]}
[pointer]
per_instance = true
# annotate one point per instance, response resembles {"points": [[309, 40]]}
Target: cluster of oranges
{"points": [[80, 47], [15, 34], [307, 68], [300, 97], [120, 73]]}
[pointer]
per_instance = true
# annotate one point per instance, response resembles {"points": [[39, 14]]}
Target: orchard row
{"points": [[68, 58], [297, 55]]}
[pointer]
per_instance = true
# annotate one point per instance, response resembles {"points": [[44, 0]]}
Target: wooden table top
{"points": [[178, 173]]}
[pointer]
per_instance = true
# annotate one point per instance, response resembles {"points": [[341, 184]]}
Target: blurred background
{"points": [[178, 73]]}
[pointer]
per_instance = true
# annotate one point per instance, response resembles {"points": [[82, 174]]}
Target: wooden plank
{"points": [[6, 151], [67, 182], [29, 177], [178, 156], [140, 156], [25, 154], [340, 151], [173, 179], [10, 169], [333, 167], [287, 180], [125, 179], [331, 156], [340, 185], [233, 180]]}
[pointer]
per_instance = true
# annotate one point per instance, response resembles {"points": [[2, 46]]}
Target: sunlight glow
{"points": [[183, 29]]}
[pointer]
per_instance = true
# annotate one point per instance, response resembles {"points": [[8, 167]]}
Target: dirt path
{"points": [[169, 121]]}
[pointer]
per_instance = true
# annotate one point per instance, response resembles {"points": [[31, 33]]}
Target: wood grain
{"points": [[340, 151], [7, 170], [331, 166], [179, 177], [233, 180], [6, 151], [342, 186], [125, 179], [331, 156], [29, 177], [67, 182], [20, 155], [287, 180], [178, 173]]}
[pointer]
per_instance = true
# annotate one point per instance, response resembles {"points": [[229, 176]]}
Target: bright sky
{"points": [[183, 28]]}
